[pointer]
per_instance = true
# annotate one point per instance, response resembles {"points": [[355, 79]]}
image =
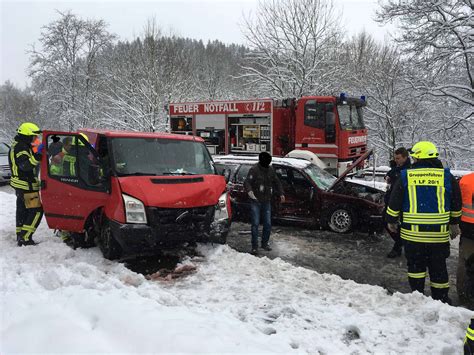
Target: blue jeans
{"points": [[263, 209]]}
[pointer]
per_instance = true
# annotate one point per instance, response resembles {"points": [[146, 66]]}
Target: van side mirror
{"points": [[226, 174]]}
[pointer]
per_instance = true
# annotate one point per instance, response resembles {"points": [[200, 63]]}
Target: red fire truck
{"points": [[331, 127]]}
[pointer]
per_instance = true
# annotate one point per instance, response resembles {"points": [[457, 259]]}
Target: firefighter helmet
{"points": [[74, 139], [424, 150], [29, 129]]}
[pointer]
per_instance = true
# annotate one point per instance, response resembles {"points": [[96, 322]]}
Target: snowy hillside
{"points": [[67, 300]]}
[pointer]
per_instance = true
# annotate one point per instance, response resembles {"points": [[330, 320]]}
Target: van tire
{"points": [[341, 220], [108, 245], [221, 239]]}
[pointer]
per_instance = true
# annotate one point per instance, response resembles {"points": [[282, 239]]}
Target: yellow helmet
{"points": [[424, 150], [74, 139], [29, 129]]}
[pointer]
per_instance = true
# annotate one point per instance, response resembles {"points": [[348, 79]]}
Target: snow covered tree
{"points": [[64, 70], [16, 106], [437, 40], [293, 45]]}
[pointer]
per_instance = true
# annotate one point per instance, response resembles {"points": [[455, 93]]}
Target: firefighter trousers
{"points": [[432, 257], [27, 219]]}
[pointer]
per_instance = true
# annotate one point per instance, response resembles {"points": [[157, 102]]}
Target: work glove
{"points": [[40, 148], [392, 227], [454, 230], [252, 195], [282, 198]]}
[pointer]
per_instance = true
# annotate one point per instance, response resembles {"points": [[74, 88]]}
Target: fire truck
{"points": [[331, 127]]}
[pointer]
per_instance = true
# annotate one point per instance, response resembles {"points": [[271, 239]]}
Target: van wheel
{"points": [[341, 220], [221, 238], [108, 245]]}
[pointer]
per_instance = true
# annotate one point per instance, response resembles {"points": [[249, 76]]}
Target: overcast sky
{"points": [[21, 22]]}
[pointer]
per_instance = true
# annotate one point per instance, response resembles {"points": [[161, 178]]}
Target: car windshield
{"points": [[159, 156], [321, 178], [3, 149]]}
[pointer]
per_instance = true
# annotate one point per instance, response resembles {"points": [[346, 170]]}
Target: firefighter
{"points": [[469, 339], [465, 271], [427, 200], [23, 164]]}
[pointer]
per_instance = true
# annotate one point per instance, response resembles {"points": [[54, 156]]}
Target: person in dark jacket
{"points": [[260, 185], [427, 200], [23, 164], [401, 162]]}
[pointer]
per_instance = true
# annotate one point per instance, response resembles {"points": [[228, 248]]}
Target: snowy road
{"points": [[75, 301], [354, 256]]}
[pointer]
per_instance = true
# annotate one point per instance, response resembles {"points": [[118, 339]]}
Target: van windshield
{"points": [[160, 156], [321, 178]]}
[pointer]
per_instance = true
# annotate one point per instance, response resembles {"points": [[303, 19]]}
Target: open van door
{"points": [[73, 184]]}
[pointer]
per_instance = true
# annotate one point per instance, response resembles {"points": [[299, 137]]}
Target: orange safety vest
{"points": [[35, 145], [467, 192]]}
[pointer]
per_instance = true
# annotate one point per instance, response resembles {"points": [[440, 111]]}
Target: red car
{"points": [[312, 196], [133, 192]]}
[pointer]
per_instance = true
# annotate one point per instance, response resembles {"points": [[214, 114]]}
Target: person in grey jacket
{"points": [[260, 184]]}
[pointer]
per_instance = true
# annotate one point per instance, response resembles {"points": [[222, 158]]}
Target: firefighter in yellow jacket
{"points": [[23, 164], [427, 200]]}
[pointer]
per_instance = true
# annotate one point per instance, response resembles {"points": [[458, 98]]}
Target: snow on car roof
{"points": [[252, 159]]}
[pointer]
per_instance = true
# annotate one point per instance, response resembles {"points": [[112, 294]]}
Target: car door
{"points": [[298, 195], [72, 183], [239, 197]]}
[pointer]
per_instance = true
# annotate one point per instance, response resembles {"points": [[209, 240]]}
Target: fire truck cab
{"points": [[132, 192], [331, 127]]}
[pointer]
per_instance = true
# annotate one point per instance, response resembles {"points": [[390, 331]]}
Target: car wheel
{"points": [[108, 245], [341, 220]]}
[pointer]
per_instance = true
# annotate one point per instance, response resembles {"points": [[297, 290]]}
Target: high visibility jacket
{"points": [[23, 163], [69, 165], [427, 199], [467, 192]]}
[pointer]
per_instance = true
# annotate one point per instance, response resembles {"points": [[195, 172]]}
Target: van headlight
{"points": [[221, 208], [134, 210]]}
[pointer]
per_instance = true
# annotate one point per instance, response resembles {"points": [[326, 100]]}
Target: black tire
{"points": [[221, 238], [341, 220], [108, 245]]}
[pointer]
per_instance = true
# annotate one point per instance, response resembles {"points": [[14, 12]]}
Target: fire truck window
{"points": [[314, 114], [350, 117]]}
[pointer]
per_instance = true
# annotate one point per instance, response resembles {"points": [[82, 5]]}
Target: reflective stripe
{"points": [[412, 198], [425, 237], [468, 206], [417, 275], [31, 228], [470, 331], [392, 212], [444, 220], [456, 213], [438, 285], [440, 190], [23, 152], [468, 214]]}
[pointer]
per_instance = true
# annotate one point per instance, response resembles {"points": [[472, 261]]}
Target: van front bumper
{"points": [[136, 238]]}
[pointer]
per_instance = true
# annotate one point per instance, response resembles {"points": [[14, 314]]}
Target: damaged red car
{"points": [[312, 196]]}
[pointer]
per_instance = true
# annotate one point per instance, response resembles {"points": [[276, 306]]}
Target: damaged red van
{"points": [[133, 192]]}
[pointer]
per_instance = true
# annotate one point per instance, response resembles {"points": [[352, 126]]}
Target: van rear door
{"points": [[72, 183]]}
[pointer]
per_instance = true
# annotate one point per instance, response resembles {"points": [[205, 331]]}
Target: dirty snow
{"points": [[68, 301]]}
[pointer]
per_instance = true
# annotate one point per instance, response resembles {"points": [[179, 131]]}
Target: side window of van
{"points": [[72, 160]]}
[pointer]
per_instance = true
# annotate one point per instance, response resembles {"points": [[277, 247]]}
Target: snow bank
{"points": [[55, 299]]}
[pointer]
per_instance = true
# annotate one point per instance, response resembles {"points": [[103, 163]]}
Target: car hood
{"points": [[174, 191], [350, 168]]}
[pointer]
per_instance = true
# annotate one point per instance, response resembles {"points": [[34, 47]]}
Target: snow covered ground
{"points": [[55, 299]]}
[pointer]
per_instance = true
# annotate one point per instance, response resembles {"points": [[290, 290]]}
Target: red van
{"points": [[133, 192]]}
